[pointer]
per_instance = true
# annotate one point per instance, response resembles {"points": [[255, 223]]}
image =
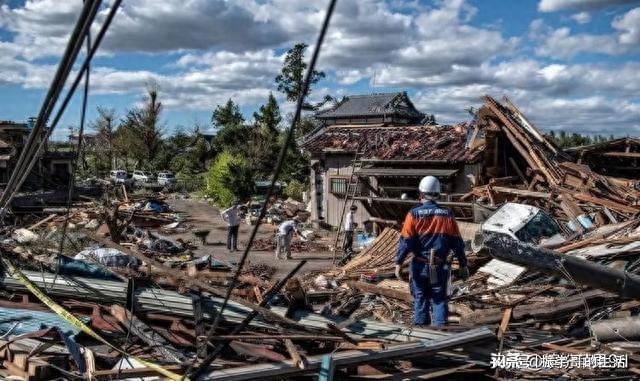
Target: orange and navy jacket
{"points": [[429, 226]]}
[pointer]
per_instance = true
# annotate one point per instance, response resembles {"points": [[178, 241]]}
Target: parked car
{"points": [[143, 176], [118, 176], [166, 178]]}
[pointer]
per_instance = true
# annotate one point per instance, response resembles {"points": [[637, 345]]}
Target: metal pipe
{"points": [[575, 269]]}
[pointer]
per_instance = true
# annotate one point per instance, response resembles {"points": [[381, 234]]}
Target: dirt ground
{"points": [[201, 215]]}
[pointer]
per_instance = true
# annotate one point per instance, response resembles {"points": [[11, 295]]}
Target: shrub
{"points": [[229, 177]]}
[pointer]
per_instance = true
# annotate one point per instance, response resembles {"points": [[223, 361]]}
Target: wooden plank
{"points": [[388, 292], [609, 204], [504, 324], [42, 221], [522, 192], [294, 354], [628, 155], [560, 348], [147, 334]]}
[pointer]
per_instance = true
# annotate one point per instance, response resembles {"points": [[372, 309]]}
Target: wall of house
{"points": [[337, 166]]}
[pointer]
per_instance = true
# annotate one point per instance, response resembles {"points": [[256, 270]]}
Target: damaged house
{"points": [[372, 153], [617, 158], [52, 167]]}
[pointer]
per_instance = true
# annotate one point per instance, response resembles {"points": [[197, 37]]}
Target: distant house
{"points": [[617, 158], [387, 108], [52, 167], [392, 152]]}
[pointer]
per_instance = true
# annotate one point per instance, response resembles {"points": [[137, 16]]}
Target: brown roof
{"points": [[438, 143]]}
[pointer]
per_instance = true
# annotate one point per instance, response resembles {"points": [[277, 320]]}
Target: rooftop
{"points": [[429, 143], [372, 105]]}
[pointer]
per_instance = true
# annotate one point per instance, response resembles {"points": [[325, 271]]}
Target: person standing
{"points": [[284, 235], [232, 217], [430, 232], [349, 228]]}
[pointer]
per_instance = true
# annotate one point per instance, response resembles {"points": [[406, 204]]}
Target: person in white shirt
{"points": [[349, 228], [232, 217], [284, 235]]}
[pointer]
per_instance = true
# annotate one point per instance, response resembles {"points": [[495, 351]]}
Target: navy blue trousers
{"points": [[430, 301]]}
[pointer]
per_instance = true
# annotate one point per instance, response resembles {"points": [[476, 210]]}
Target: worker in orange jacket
{"points": [[430, 232]]}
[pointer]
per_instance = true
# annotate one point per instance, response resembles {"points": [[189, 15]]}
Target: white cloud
{"points": [[582, 17], [227, 49], [562, 43], [628, 27], [558, 5]]}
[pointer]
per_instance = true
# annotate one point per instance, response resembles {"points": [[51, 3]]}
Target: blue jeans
{"points": [[429, 296]]}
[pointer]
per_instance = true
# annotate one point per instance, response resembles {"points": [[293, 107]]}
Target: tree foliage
{"points": [[144, 126], [228, 178], [105, 134], [268, 116], [290, 81], [564, 140]]}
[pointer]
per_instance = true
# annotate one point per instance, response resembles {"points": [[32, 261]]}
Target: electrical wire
{"points": [[74, 165], [85, 65], [73, 87], [283, 153], [89, 11]]}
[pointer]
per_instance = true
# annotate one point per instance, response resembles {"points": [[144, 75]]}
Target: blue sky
{"points": [[569, 64]]}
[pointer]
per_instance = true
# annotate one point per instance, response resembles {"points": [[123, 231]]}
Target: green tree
{"points": [[228, 178], [231, 133], [291, 78], [262, 151], [101, 148], [145, 126], [227, 115], [268, 116]]}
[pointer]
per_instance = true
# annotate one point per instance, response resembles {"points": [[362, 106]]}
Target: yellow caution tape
{"points": [[66, 315]]}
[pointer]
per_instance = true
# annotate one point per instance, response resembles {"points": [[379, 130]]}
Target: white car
{"points": [[525, 223], [166, 178], [143, 176], [118, 176]]}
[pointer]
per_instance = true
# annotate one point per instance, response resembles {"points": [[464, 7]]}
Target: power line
{"points": [[276, 175], [74, 86], [89, 11]]}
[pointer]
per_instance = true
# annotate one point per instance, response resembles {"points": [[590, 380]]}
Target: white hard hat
{"points": [[429, 185], [404, 196]]}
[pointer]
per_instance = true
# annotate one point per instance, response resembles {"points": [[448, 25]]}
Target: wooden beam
{"points": [[522, 192], [389, 292], [627, 155], [146, 334]]}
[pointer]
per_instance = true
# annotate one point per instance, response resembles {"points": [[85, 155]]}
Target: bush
{"points": [[228, 178], [294, 189]]}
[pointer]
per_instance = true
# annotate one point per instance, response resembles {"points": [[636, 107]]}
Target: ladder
{"points": [[350, 192]]}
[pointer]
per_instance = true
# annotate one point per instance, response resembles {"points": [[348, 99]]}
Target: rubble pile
{"points": [[568, 191], [554, 263], [297, 246], [570, 288], [123, 300]]}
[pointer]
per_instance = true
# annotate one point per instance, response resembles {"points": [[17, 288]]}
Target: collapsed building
{"points": [[617, 157], [53, 166]]}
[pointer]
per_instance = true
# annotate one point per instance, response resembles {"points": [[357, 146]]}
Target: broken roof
{"points": [[429, 143], [373, 105], [620, 142]]}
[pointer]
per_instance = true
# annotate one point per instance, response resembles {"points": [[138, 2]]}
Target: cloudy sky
{"points": [[568, 64]]}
